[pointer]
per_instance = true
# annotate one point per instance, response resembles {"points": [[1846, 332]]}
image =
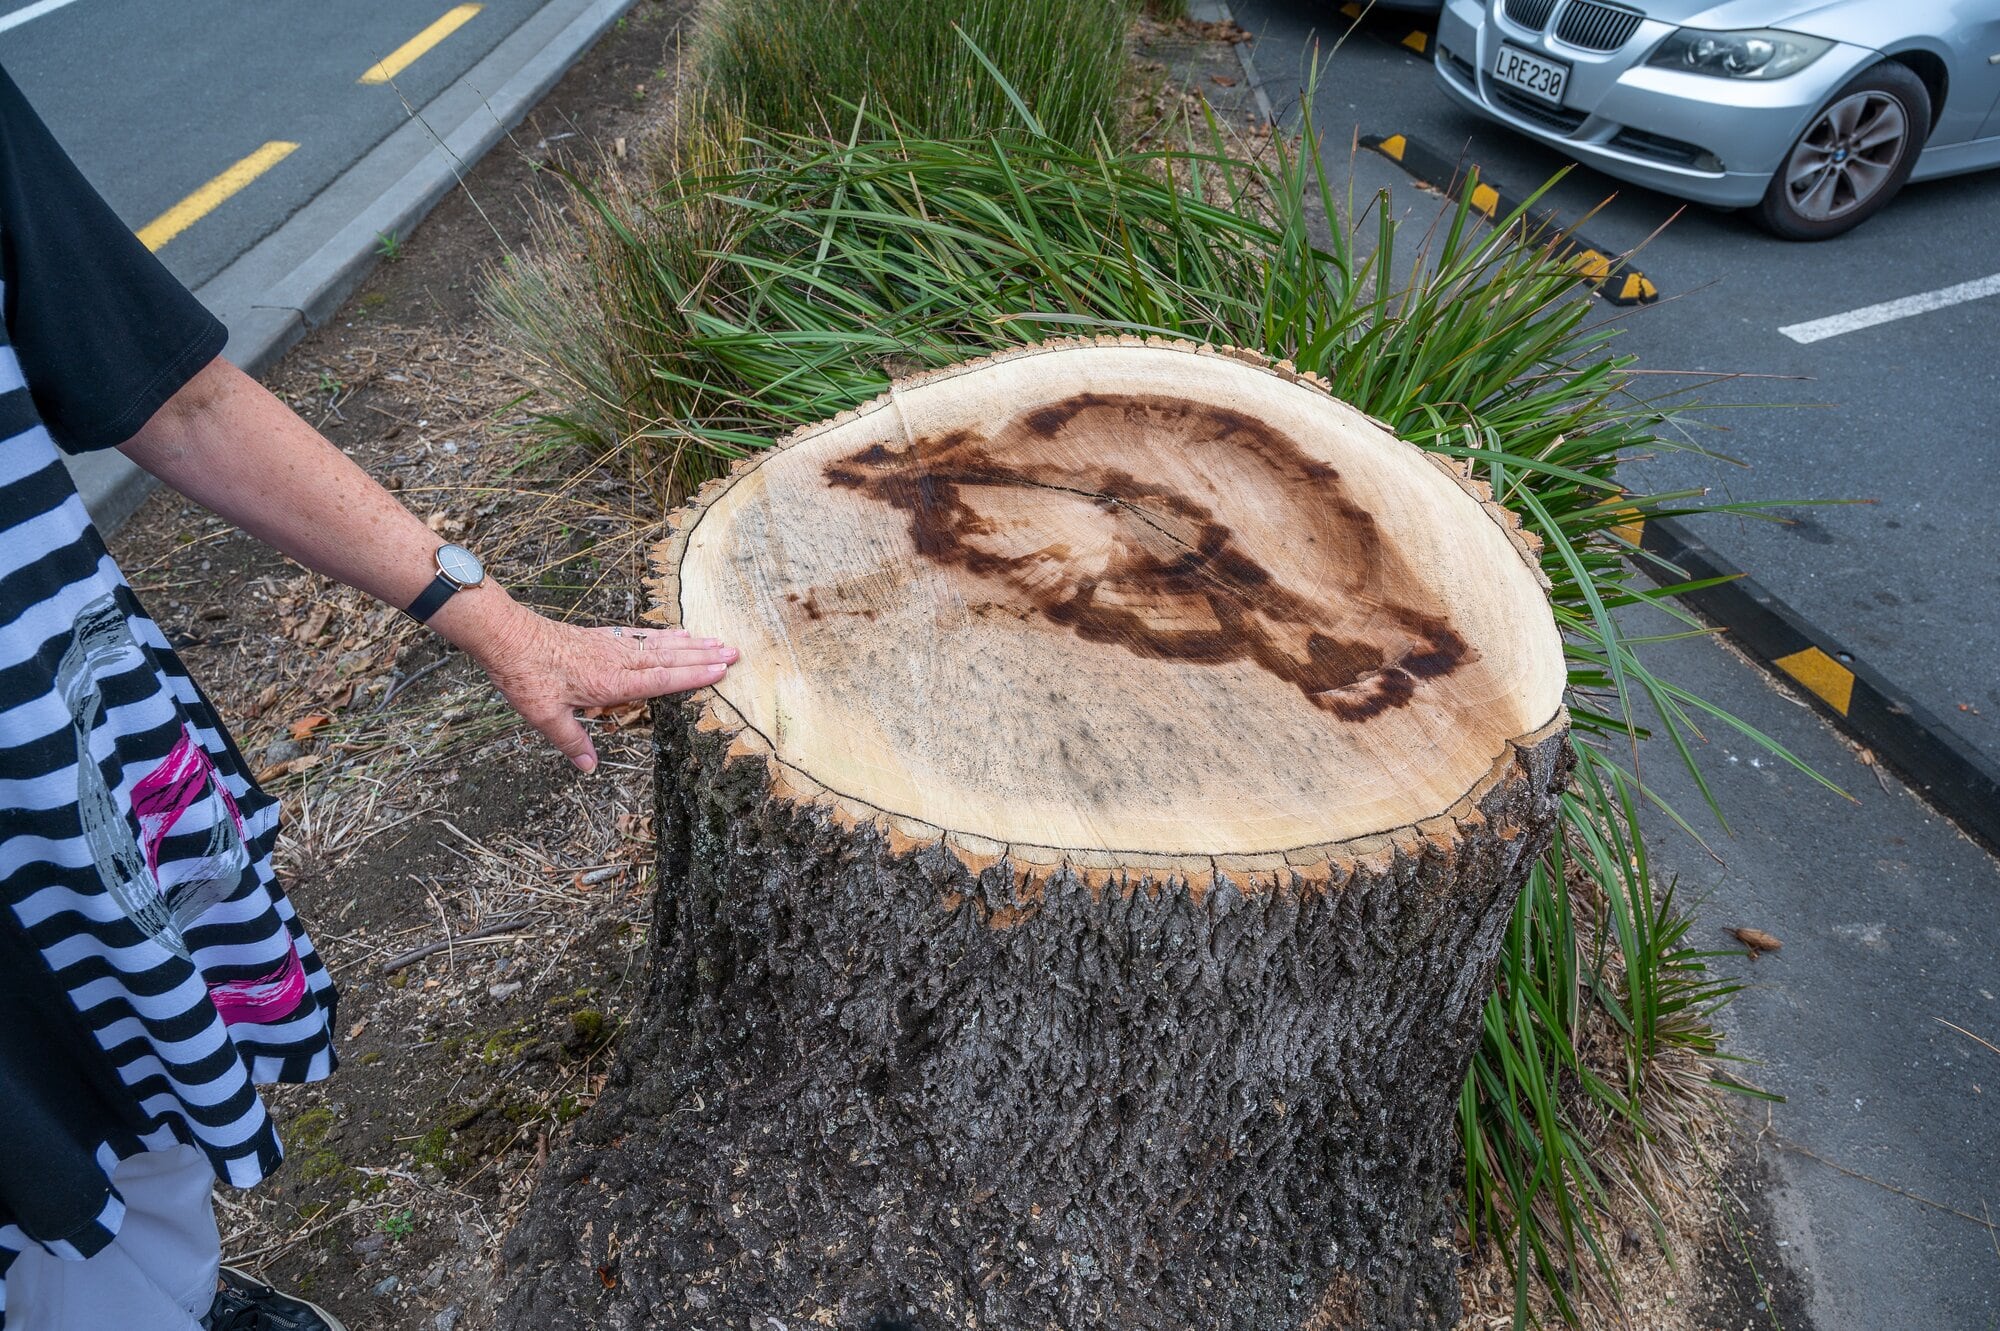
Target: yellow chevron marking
{"points": [[1592, 264], [1832, 681], [1394, 146], [1637, 288], [1485, 199], [1416, 41]]}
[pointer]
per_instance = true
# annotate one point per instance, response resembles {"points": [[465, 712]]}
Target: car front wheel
{"points": [[1853, 157]]}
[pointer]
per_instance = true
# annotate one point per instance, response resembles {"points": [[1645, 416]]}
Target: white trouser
{"points": [[157, 1275]]}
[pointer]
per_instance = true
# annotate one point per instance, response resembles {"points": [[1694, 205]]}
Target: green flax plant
{"points": [[769, 280], [791, 65]]}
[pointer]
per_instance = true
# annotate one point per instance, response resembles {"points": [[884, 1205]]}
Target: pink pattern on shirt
{"points": [[185, 779], [268, 998], [162, 796]]}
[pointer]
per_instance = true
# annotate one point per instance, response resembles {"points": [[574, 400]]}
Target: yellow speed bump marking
{"points": [[1592, 264], [1637, 288], [1393, 146], [1350, 11], [413, 50], [1832, 681], [1416, 41], [1485, 199], [212, 195], [1632, 530]]}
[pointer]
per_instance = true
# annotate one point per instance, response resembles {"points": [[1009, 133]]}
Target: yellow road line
{"points": [[413, 50], [212, 195]]}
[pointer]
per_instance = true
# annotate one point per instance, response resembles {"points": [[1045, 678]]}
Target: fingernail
{"points": [[730, 653], [717, 668], [585, 762]]}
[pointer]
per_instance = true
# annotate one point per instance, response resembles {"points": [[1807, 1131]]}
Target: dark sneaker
{"points": [[243, 1304]]}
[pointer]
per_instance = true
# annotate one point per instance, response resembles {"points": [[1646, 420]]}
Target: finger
{"points": [[653, 638], [661, 680], [638, 648], [563, 730], [685, 656]]}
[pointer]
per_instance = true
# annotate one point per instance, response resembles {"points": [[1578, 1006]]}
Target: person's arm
{"points": [[228, 444]]}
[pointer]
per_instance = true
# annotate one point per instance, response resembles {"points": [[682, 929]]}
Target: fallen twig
{"points": [[397, 686], [1790, 1145], [1967, 1034], [396, 963]]}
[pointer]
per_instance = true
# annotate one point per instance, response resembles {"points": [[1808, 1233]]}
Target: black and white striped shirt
{"points": [[154, 971]]}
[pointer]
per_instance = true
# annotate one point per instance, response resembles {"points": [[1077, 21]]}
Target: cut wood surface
{"points": [[1116, 599]]}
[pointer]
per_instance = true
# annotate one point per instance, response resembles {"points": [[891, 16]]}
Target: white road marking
{"points": [[34, 11], [1818, 330]]}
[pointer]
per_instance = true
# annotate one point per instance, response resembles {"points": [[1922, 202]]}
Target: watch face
{"points": [[460, 565]]}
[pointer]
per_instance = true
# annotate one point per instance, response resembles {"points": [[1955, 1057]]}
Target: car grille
{"points": [[1530, 14], [1596, 27], [1558, 118]]}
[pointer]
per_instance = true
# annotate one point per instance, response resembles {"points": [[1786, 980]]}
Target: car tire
{"points": [[1832, 180]]}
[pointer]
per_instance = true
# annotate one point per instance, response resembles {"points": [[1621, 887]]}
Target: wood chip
{"points": [[314, 627], [1757, 941]]}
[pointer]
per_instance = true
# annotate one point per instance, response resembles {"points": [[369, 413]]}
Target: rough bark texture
{"points": [[869, 1078], [1029, 954]]}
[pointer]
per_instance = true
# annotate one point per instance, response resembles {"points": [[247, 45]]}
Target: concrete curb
{"points": [[1611, 276], [1217, 11], [1953, 777], [294, 279]]}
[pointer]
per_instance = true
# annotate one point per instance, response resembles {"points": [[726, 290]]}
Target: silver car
{"points": [[1813, 112]]}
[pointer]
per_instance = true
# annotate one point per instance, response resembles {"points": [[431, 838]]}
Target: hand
{"points": [[547, 670]]}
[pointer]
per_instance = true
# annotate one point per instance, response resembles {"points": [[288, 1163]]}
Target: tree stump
{"points": [[1076, 908]]}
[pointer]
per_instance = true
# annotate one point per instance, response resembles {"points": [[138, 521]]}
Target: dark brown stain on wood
{"points": [[811, 608], [1144, 567]]}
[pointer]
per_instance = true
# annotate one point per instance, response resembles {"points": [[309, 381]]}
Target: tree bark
{"points": [[890, 1065]]}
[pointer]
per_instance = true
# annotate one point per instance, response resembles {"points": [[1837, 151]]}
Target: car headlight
{"points": [[1761, 53]]}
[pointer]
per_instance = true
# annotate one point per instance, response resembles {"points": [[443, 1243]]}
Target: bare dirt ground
{"points": [[417, 810], [483, 908]]}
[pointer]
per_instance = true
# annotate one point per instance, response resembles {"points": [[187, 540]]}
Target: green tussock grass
{"points": [[759, 280], [791, 65]]}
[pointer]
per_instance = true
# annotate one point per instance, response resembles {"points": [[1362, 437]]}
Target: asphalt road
{"points": [[1902, 415], [1886, 1149], [157, 101], [1887, 1146]]}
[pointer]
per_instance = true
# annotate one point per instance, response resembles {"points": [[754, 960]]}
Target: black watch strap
{"points": [[433, 596]]}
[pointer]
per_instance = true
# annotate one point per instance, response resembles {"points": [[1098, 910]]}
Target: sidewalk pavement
{"points": [[298, 275]]}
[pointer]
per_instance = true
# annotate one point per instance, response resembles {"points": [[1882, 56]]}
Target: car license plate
{"points": [[1532, 74]]}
